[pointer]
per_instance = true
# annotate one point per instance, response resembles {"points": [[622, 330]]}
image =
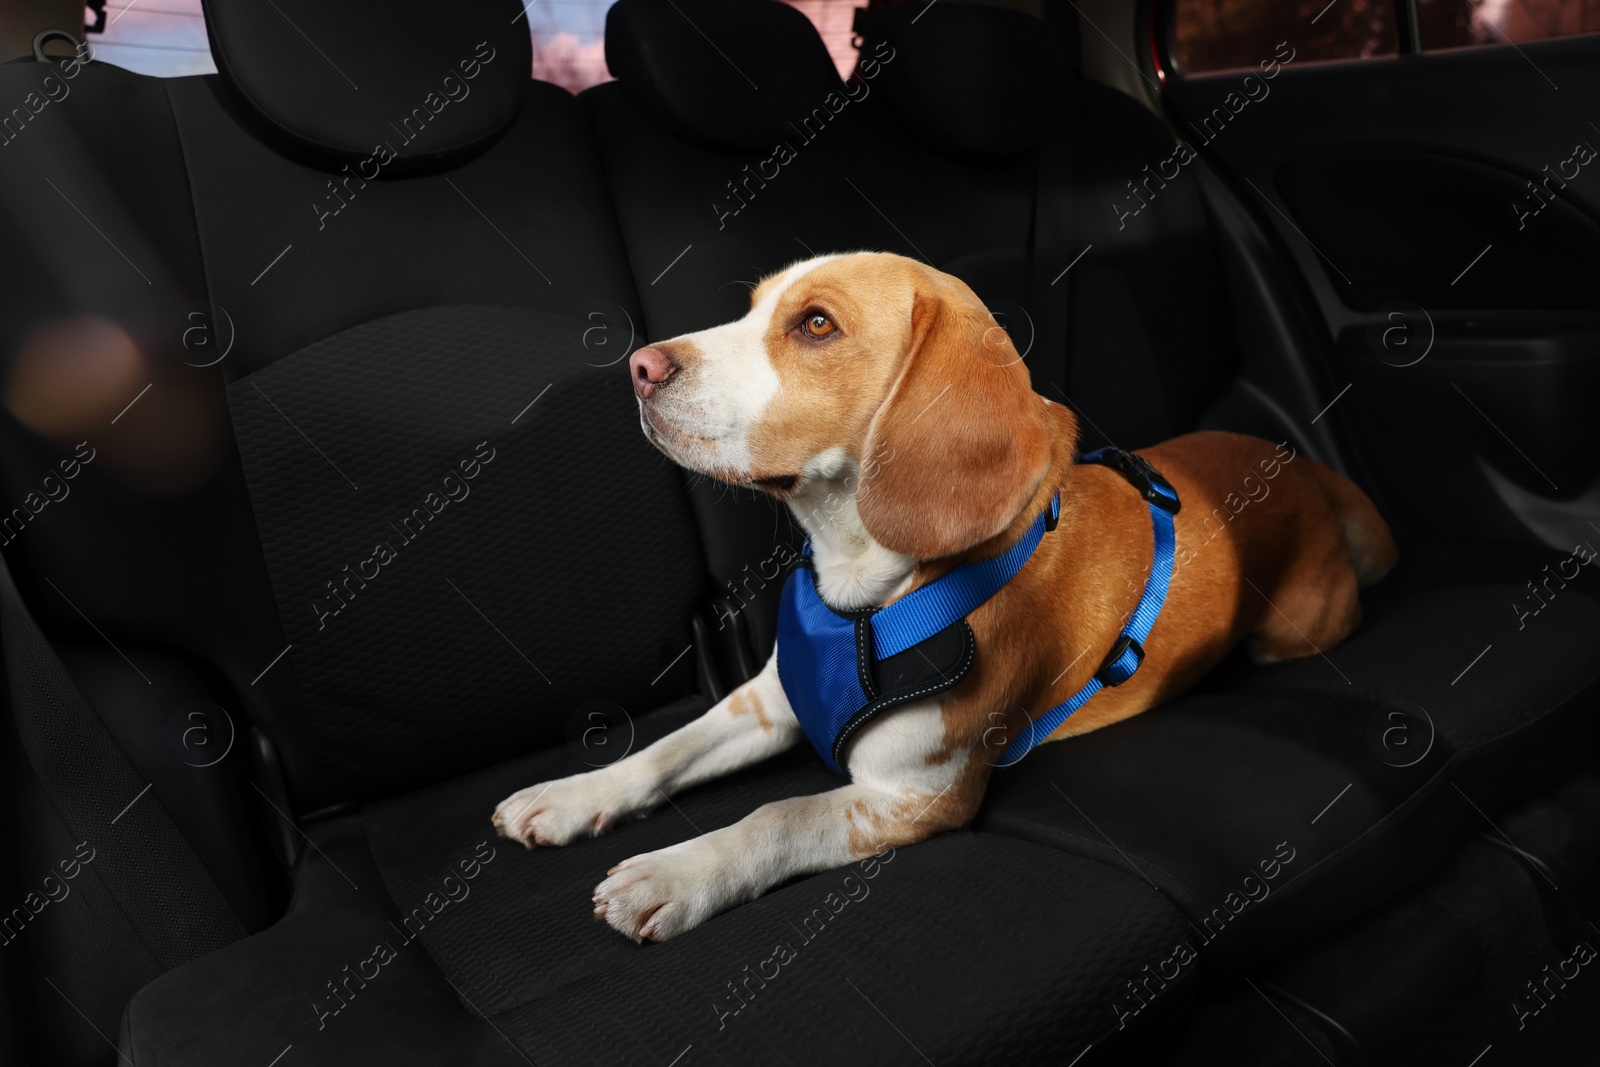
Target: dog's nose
{"points": [[651, 368]]}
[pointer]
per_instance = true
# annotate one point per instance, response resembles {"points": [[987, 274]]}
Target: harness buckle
{"points": [[1142, 476], [1114, 670]]}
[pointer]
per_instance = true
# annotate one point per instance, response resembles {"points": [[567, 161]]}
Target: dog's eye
{"points": [[817, 325]]}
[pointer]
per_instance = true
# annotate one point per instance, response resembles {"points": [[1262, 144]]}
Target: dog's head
{"points": [[869, 370]]}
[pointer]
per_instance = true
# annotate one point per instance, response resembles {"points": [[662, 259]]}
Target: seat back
{"points": [[396, 500]]}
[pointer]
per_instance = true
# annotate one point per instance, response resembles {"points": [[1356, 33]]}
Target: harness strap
{"points": [[1127, 652], [927, 610]]}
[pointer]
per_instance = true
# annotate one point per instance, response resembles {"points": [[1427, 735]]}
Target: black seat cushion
{"points": [[277, 989], [966, 947], [1324, 755], [534, 913], [1458, 652], [947, 961]]}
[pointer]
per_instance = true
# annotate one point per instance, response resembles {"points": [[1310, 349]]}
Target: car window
{"points": [[569, 37], [1469, 23], [164, 38], [569, 45], [1217, 35], [1213, 35]]}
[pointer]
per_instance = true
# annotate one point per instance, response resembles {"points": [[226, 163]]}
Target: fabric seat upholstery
{"points": [[918, 932]]}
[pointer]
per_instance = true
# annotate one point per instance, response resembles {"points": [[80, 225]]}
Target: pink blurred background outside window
{"points": [[167, 38]]}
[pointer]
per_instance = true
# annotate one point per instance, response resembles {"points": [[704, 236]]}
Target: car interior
{"points": [[327, 523]]}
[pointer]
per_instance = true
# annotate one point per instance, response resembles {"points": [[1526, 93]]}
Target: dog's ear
{"points": [[959, 445]]}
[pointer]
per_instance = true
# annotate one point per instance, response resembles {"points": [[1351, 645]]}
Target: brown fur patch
{"points": [[745, 702], [919, 816]]}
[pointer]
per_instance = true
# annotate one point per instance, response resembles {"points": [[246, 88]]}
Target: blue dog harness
{"points": [[841, 671]]}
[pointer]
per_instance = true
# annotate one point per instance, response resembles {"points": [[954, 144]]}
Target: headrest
{"points": [[729, 74], [970, 81], [411, 85]]}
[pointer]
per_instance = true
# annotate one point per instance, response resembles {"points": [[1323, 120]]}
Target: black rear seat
{"points": [[414, 324]]}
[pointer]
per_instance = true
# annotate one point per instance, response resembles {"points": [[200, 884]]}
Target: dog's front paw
{"points": [[662, 894], [559, 812]]}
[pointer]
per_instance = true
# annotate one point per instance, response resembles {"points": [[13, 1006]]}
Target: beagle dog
{"points": [[877, 397]]}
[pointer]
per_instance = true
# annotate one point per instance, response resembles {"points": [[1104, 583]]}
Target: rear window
{"points": [[569, 41], [167, 38], [164, 38]]}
